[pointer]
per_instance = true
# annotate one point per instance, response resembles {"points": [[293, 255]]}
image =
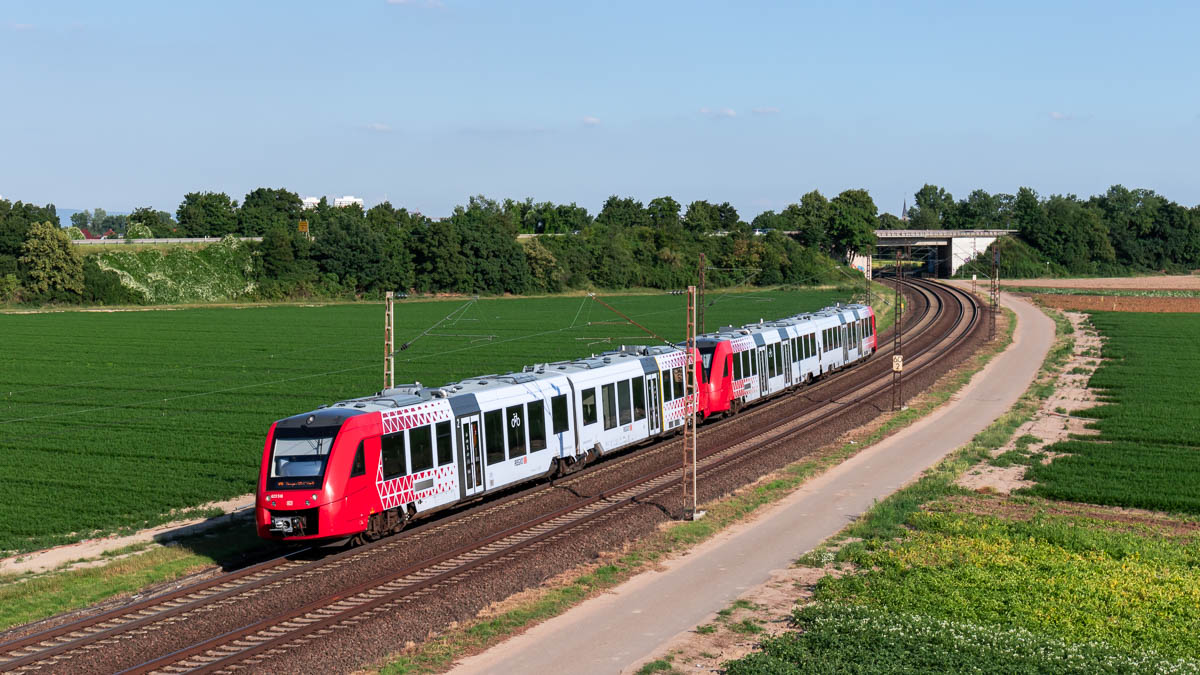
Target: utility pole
{"points": [[389, 344], [700, 304], [897, 342], [689, 407], [995, 286]]}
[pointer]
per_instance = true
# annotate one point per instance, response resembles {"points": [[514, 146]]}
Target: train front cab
{"points": [[714, 372], [313, 483]]}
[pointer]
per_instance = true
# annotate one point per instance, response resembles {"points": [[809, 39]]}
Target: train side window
{"points": [[753, 357], [392, 451], [625, 401], [558, 410], [493, 435], [610, 406], [771, 361], [359, 468], [748, 367], [537, 425], [677, 376], [639, 398], [445, 446], [589, 405], [515, 416], [737, 366], [420, 448]]}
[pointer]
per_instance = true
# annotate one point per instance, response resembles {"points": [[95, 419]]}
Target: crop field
{"points": [[1148, 452], [111, 420], [996, 584], [980, 592]]}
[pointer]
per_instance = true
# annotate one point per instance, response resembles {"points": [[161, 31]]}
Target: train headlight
{"points": [[314, 497]]}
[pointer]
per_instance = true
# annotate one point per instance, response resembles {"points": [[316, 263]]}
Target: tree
{"points": [[81, 219], [810, 220], [664, 213], [933, 209], [159, 223], [53, 269], [138, 231], [887, 221], [265, 208], [852, 227], [627, 212], [207, 214], [15, 221]]}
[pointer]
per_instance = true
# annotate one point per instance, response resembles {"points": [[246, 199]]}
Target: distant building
{"points": [[311, 202], [348, 200]]}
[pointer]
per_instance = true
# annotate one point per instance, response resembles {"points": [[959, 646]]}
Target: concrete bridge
{"points": [[953, 248]]}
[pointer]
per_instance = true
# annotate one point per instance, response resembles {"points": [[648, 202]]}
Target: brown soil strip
{"points": [[1105, 303]]}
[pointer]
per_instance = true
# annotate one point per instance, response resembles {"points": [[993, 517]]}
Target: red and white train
{"points": [[364, 467]]}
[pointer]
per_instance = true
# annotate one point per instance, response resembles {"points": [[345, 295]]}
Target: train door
{"points": [[472, 455], [787, 362], [845, 344], [654, 405], [763, 375]]}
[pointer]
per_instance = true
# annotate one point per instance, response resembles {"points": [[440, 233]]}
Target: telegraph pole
{"points": [[389, 344], [995, 286], [700, 304], [897, 342], [689, 407]]}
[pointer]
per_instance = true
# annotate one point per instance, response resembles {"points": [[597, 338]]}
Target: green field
{"points": [[1148, 452], [939, 579], [112, 419]]}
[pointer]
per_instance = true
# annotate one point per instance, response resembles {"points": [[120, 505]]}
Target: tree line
{"points": [[479, 248], [1116, 233]]}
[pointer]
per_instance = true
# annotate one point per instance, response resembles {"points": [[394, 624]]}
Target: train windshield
{"points": [[706, 359], [298, 457]]}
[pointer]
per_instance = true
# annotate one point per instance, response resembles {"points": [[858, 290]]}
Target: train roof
{"points": [[415, 393], [412, 394], [733, 332]]}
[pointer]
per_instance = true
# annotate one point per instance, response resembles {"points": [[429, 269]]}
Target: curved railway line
{"points": [[244, 619]]}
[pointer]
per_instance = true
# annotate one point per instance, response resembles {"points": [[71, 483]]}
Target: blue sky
{"points": [[425, 102]]}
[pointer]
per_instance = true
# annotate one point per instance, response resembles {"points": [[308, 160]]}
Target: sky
{"points": [[426, 102]]}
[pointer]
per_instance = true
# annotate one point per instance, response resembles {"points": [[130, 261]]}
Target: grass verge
{"points": [[949, 581], [31, 597]]}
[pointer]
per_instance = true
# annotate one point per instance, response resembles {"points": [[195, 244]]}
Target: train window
{"points": [[493, 435], [515, 417], [812, 340], [664, 385], [558, 410], [752, 357], [677, 377], [737, 366], [589, 405], [778, 358], [625, 401], [392, 450], [537, 425], [359, 468], [639, 398], [610, 406], [420, 448], [771, 361], [796, 350], [445, 446]]}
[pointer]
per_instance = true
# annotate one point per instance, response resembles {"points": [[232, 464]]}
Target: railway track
{"points": [[946, 317]]}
